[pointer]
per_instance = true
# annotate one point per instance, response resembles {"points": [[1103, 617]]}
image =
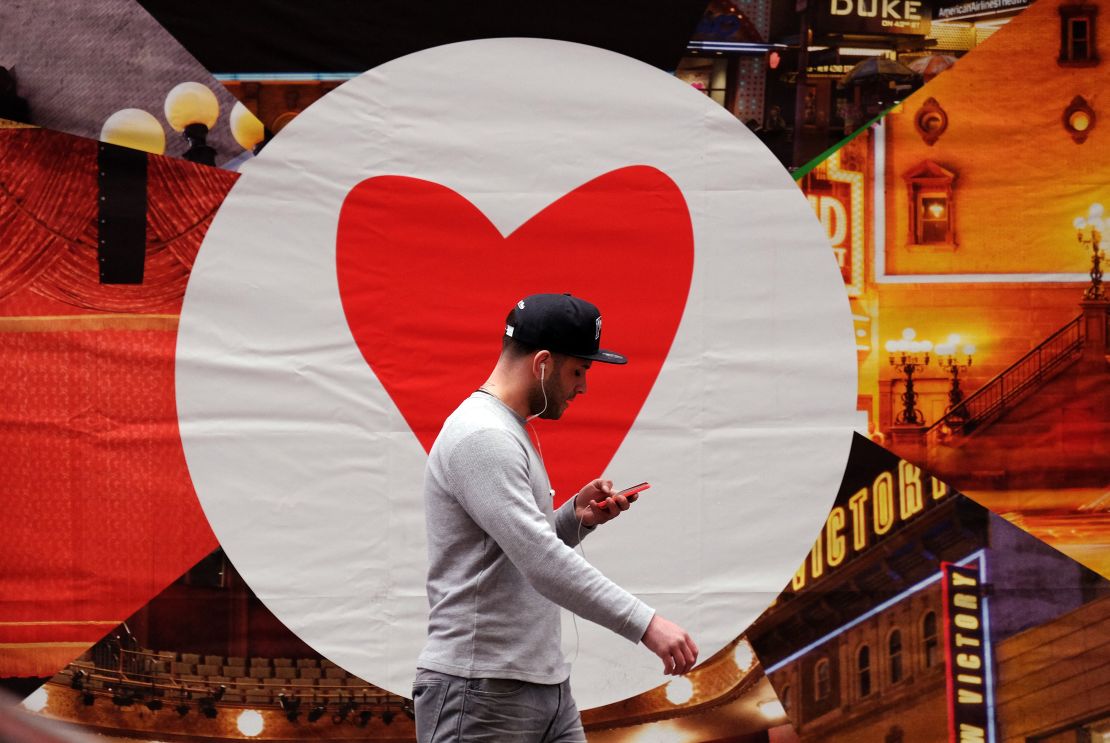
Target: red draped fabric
{"points": [[48, 223], [98, 511]]}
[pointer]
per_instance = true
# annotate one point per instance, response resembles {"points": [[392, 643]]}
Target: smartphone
{"points": [[626, 492], [633, 490]]}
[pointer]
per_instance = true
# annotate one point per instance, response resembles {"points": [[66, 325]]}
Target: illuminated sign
{"points": [[836, 194], [835, 70], [978, 8], [893, 498], [875, 16], [967, 655]]}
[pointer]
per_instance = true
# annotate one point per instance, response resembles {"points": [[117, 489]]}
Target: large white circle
{"points": [[307, 471]]}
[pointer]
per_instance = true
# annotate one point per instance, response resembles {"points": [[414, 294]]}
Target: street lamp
{"points": [[1089, 235], [908, 356], [955, 358], [192, 109]]}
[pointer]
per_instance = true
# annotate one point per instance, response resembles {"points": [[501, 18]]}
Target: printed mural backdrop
{"points": [[969, 211], [308, 402]]}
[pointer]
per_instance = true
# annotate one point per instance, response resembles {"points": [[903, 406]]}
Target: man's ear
{"points": [[541, 362]]}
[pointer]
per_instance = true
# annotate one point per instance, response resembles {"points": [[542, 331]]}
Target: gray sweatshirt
{"points": [[500, 560]]}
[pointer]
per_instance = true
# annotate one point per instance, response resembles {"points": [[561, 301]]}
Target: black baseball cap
{"points": [[562, 324]]}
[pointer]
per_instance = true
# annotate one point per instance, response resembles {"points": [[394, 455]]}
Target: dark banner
{"points": [[967, 654]]}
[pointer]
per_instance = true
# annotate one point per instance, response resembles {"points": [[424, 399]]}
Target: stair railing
{"points": [[1004, 390]]}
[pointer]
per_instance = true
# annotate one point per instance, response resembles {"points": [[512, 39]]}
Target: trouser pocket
{"points": [[427, 703]]}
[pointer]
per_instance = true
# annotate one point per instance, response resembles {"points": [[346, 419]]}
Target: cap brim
{"points": [[604, 356]]}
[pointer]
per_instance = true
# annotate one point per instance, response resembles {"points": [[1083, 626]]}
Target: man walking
{"points": [[501, 560]]}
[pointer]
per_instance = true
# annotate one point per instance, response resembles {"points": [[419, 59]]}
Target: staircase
{"points": [[1008, 388]]}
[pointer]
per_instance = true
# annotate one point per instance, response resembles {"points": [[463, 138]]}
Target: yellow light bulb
{"points": [[191, 103], [134, 128], [245, 127]]}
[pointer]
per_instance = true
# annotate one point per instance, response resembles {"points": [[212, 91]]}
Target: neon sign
{"points": [[836, 195], [876, 16], [967, 655], [894, 497]]}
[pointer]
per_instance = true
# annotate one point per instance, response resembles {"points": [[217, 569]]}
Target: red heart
{"points": [[426, 282]]}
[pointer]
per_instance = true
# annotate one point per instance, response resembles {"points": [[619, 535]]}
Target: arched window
{"points": [[929, 640], [863, 671], [821, 685], [894, 654]]}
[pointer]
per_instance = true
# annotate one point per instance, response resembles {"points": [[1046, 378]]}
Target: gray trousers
{"points": [[452, 709]]}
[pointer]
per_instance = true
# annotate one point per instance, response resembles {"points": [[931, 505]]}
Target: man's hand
{"points": [[671, 643], [596, 503]]}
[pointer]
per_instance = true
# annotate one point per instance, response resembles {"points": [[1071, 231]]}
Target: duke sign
{"points": [[905, 17]]}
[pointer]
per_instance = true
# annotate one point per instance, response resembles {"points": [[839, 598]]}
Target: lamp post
{"points": [[192, 109], [955, 358], [126, 138], [908, 356], [1089, 235]]}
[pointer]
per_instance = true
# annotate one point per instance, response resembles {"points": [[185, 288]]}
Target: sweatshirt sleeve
{"points": [[489, 475], [567, 526]]}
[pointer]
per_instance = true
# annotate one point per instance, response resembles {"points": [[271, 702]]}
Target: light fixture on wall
{"points": [[930, 121], [955, 357], [1079, 119], [1088, 231], [909, 356]]}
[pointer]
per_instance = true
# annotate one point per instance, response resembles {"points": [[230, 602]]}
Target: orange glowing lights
{"points": [[1080, 121]]}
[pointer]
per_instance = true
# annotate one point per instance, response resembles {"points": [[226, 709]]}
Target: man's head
{"points": [[561, 324], [553, 339]]}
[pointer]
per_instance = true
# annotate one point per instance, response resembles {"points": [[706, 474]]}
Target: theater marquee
{"points": [[893, 498], [967, 654], [903, 17]]}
